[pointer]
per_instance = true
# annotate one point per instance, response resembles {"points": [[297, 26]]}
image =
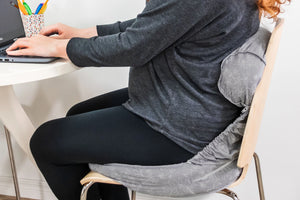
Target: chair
{"points": [[250, 133]]}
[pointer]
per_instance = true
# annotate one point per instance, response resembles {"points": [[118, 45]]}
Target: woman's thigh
{"points": [[109, 135], [111, 99]]}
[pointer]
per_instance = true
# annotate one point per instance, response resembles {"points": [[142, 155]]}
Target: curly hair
{"points": [[270, 8]]}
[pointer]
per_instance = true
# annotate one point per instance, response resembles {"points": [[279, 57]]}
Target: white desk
{"points": [[12, 114], [15, 120]]}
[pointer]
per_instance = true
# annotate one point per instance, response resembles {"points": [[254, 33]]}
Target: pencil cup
{"points": [[33, 24]]}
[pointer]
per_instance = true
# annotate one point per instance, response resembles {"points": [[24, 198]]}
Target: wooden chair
{"points": [[250, 134]]}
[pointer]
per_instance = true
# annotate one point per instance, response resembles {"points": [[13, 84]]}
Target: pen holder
{"points": [[33, 24]]}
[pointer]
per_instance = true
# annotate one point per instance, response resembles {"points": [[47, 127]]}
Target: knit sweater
{"points": [[175, 49]]}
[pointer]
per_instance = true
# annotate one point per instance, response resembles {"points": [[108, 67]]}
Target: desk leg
{"points": [[15, 119], [12, 164], [16, 123]]}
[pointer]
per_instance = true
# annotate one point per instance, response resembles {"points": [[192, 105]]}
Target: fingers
{"points": [[18, 44], [50, 30], [21, 52], [37, 45], [57, 37], [20, 47]]}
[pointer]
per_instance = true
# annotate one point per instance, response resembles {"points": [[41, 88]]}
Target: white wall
{"points": [[48, 99]]}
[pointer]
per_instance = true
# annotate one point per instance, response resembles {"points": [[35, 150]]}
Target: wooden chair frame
{"points": [[251, 130]]}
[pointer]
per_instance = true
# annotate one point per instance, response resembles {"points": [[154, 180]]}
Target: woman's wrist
{"points": [[89, 32], [61, 48], [61, 44]]}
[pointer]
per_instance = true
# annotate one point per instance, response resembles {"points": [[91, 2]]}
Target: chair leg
{"points": [[85, 189], [259, 177], [12, 163], [229, 193], [133, 195]]}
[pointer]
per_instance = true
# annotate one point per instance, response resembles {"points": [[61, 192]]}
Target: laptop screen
{"points": [[10, 22]]}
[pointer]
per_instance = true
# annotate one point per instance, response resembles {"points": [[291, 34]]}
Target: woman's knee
{"points": [[77, 109], [45, 142], [72, 111], [111, 99]]}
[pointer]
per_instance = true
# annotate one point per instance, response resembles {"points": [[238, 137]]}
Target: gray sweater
{"points": [[175, 49]]}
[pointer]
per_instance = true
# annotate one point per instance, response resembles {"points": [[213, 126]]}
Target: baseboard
{"points": [[29, 188]]}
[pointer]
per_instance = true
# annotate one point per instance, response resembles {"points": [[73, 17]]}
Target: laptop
{"points": [[11, 28]]}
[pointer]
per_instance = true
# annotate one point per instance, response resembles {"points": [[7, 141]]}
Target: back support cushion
{"points": [[241, 71]]}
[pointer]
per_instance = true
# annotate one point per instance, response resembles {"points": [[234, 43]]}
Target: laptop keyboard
{"points": [[3, 52]]}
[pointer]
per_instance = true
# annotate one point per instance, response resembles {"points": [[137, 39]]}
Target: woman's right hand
{"points": [[66, 32]]}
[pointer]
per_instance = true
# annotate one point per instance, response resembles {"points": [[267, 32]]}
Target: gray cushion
{"points": [[213, 168], [243, 68]]}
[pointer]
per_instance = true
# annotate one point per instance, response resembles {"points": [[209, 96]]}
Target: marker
{"points": [[22, 8], [38, 8], [27, 8], [43, 9]]}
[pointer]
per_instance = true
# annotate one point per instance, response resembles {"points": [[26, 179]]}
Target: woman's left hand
{"points": [[39, 45]]}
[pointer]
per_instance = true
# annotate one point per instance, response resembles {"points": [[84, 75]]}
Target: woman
{"points": [[172, 105]]}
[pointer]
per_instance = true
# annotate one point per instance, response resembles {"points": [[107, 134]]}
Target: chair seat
{"points": [[97, 177]]}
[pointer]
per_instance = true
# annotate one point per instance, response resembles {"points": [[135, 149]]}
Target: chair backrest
{"points": [[259, 100]]}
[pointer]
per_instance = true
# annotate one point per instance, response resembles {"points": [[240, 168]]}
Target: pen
{"points": [[38, 8], [22, 8], [27, 8], [43, 9]]}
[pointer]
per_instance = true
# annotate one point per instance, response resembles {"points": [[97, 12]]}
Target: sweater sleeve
{"points": [[161, 23], [110, 29]]}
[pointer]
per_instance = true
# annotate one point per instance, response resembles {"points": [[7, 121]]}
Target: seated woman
{"points": [[172, 105]]}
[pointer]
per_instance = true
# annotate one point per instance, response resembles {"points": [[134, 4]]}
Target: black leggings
{"points": [[101, 131]]}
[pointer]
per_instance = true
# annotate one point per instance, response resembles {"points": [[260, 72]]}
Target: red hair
{"points": [[270, 8]]}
